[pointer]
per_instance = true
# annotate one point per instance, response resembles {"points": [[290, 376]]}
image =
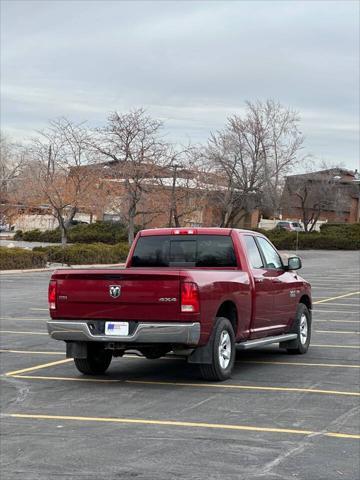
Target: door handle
{"points": [[258, 280]]}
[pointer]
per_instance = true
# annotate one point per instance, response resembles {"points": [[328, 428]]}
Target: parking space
{"points": [[279, 417]]}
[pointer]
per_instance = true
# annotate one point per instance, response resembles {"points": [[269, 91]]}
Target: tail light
{"points": [[52, 295], [190, 298]]}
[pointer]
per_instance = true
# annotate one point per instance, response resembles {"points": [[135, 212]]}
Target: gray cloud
{"points": [[190, 63]]}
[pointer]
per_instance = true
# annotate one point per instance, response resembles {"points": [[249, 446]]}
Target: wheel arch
{"points": [[228, 310], [305, 299]]}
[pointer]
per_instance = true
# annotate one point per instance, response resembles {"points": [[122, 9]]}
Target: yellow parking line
{"points": [[244, 387], [67, 379], [41, 352], [173, 423], [342, 435], [348, 312], [351, 332], [335, 346], [340, 305], [335, 298], [31, 352], [24, 333], [18, 374], [301, 364], [306, 364], [38, 367], [338, 321], [44, 319]]}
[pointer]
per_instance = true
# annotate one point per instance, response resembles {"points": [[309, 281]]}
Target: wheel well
{"points": [[228, 310], [306, 301]]}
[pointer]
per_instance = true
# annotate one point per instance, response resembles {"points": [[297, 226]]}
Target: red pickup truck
{"points": [[198, 292]]}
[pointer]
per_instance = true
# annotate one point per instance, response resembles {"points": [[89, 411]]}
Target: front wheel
{"points": [[97, 361], [223, 352], [302, 327]]}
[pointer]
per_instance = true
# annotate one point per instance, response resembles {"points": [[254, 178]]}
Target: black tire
{"points": [[302, 323], [216, 371], [97, 361]]}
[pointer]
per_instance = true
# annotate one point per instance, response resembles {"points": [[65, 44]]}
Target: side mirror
{"points": [[294, 263]]}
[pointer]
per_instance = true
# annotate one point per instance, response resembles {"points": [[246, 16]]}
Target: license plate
{"points": [[117, 328]]}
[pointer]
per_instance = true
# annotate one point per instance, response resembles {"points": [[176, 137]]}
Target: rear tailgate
{"points": [[144, 295]]}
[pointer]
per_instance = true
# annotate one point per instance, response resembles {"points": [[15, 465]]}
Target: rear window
{"points": [[184, 251]]}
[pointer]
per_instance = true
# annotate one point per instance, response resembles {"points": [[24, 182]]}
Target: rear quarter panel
{"points": [[217, 287]]}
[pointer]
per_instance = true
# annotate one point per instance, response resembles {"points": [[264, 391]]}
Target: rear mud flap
{"points": [[76, 350], [203, 354]]}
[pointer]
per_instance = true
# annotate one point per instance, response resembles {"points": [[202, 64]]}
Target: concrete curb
{"points": [[62, 267]]}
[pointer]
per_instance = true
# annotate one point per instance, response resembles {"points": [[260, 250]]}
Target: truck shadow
{"points": [[248, 365]]}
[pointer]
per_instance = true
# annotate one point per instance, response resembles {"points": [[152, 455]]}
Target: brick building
{"points": [[329, 195], [189, 195]]}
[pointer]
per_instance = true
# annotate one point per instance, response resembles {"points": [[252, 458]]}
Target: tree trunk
{"points": [[176, 218], [304, 216], [63, 235], [226, 218], [131, 231], [64, 224], [170, 218], [131, 228], [315, 218]]}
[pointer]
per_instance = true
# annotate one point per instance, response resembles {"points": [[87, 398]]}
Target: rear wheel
{"points": [[302, 327], [223, 352], [97, 361]]}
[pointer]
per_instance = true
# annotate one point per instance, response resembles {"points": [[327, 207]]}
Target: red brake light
{"points": [[186, 231], [52, 295], [190, 298]]}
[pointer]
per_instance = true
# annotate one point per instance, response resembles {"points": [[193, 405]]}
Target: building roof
{"points": [[343, 174]]}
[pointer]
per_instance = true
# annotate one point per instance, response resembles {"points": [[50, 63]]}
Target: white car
{"points": [[290, 226]]}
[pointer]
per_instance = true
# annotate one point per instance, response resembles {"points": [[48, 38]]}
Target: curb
{"points": [[61, 267]]}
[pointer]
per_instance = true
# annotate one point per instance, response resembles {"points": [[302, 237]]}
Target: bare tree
{"points": [[137, 155], [250, 156], [12, 159], [282, 143], [235, 156], [12, 163], [59, 174]]}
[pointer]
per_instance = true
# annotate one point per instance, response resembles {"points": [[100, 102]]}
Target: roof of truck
{"points": [[191, 231]]}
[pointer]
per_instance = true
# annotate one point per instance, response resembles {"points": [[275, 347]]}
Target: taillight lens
{"points": [[190, 298], [52, 295]]}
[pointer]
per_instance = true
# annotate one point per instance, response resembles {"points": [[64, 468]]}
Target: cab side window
{"points": [[272, 258], [253, 252]]}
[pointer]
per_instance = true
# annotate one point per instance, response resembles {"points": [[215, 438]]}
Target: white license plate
{"points": [[116, 328]]}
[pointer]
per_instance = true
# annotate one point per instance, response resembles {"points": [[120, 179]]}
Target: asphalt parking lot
{"points": [[279, 417]]}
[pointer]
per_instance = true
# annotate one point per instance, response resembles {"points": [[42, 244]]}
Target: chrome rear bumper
{"points": [[173, 333]]}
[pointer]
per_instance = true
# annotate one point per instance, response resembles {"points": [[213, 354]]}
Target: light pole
{"points": [[357, 182], [172, 205]]}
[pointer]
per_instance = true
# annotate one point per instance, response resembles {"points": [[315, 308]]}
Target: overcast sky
{"points": [[190, 63]]}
